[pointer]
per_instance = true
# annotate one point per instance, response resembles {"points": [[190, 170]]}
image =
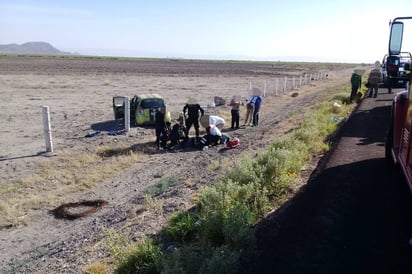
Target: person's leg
{"points": [[254, 118], [353, 92], [247, 115], [189, 123], [196, 125], [232, 112], [251, 115], [237, 118], [375, 89]]}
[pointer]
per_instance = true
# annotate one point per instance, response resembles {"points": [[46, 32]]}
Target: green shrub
{"points": [[185, 259], [194, 259], [144, 257], [226, 193], [226, 216], [244, 173], [161, 186], [182, 227], [222, 260]]}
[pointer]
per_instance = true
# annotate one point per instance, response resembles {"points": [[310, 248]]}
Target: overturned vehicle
{"points": [[143, 108]]}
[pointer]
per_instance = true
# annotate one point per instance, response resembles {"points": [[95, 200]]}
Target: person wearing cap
{"points": [[193, 111], [374, 78]]}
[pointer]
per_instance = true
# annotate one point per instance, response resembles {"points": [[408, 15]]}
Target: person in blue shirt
{"points": [[257, 102]]}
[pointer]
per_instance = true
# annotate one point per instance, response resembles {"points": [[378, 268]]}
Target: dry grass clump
{"points": [[57, 176]]}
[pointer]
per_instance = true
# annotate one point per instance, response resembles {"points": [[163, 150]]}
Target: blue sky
{"points": [[336, 31]]}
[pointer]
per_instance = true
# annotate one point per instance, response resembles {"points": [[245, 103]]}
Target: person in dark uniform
{"points": [[193, 111], [235, 112], [356, 82]]}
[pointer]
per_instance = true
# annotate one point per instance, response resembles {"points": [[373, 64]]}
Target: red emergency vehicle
{"points": [[398, 148]]}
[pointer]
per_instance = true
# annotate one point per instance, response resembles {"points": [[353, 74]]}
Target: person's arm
{"points": [[184, 110], [202, 112]]}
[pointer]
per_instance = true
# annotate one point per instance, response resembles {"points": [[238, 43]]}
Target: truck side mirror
{"points": [[395, 38]]}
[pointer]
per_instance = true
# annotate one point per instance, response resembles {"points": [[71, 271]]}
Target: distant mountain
{"points": [[32, 48]]}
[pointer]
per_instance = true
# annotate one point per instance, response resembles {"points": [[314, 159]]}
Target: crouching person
{"points": [[162, 129], [178, 134], [213, 137]]}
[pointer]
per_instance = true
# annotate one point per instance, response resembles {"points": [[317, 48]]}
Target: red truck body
{"points": [[398, 148]]}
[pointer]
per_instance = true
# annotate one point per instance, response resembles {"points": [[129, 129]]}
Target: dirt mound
{"points": [[76, 210]]}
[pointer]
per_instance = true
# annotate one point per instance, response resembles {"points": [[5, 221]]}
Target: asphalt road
{"points": [[355, 216]]}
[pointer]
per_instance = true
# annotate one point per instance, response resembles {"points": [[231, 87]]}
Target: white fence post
{"points": [[47, 129], [126, 114], [277, 86], [286, 84]]}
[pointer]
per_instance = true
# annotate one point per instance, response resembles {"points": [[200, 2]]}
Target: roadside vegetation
{"points": [[211, 237]]}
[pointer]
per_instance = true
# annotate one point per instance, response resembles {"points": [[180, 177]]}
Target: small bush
{"points": [[222, 260], [227, 212], [186, 259], [161, 186], [144, 257], [182, 227], [96, 268]]}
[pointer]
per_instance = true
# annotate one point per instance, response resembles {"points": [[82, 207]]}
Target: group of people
{"points": [[253, 104], [191, 116], [193, 111], [168, 136], [213, 125], [374, 79]]}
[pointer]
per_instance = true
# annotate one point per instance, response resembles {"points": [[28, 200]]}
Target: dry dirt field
{"points": [[79, 92]]}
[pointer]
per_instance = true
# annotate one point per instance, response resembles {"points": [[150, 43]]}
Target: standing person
{"points": [[257, 101], [235, 112], [249, 111], [356, 82], [194, 112], [374, 78]]}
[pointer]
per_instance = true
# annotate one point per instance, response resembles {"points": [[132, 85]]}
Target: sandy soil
{"points": [[79, 93]]}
